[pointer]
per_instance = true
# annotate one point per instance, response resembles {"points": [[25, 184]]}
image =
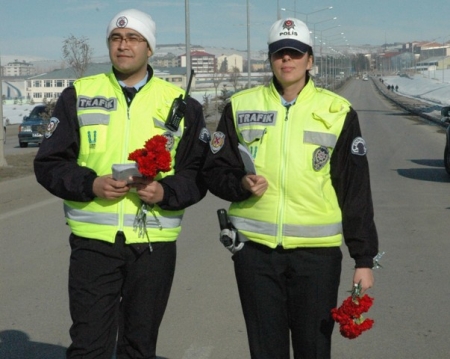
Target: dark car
{"points": [[32, 129], [445, 117]]}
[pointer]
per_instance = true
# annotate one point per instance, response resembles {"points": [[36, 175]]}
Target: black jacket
{"points": [[57, 170], [224, 170]]}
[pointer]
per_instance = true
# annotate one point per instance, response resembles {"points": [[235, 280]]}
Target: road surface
{"points": [[203, 318]]}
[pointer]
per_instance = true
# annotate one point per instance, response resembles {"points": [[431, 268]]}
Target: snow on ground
{"points": [[15, 113], [429, 86]]}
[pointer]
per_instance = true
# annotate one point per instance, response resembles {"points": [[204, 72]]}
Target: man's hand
{"points": [[255, 184], [149, 191], [365, 277], [108, 188]]}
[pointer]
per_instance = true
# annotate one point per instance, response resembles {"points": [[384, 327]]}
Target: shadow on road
{"points": [[434, 173], [15, 344]]}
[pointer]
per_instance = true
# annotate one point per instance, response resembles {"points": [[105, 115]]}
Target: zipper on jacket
{"points": [[287, 112], [284, 150], [124, 157]]}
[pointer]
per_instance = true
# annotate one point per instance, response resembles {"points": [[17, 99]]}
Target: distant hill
{"points": [[44, 65]]}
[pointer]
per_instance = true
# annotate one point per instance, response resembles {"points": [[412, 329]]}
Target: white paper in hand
{"points": [[247, 158], [125, 172]]}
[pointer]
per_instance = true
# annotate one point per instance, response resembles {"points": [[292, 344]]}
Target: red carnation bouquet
{"points": [[349, 314], [152, 159]]}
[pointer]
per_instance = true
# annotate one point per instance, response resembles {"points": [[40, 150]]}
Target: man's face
{"points": [[128, 51]]}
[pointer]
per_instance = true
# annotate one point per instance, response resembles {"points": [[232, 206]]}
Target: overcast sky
{"points": [[37, 28]]}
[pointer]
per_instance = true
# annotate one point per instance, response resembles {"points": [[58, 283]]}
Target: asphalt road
{"points": [[203, 319]]}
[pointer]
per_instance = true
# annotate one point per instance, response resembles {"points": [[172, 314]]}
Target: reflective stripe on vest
{"points": [[111, 219], [291, 230], [320, 138], [93, 119]]}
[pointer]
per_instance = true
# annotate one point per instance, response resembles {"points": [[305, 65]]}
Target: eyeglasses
{"points": [[129, 39]]}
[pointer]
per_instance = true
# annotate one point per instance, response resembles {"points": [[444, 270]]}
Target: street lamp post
{"points": [[2, 157], [314, 28], [306, 14], [321, 45], [249, 66]]}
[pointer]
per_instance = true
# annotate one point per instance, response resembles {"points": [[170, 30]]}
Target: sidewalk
{"points": [[420, 108]]}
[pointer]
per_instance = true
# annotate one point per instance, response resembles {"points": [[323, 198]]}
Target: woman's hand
{"points": [[255, 184], [364, 276]]}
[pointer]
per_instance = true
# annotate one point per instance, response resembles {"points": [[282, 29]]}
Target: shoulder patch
{"points": [[359, 147], [217, 141], [204, 136], [51, 127], [170, 140]]}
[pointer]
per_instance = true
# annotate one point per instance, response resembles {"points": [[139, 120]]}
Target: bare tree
{"points": [[234, 77], [78, 54], [49, 107], [217, 79]]}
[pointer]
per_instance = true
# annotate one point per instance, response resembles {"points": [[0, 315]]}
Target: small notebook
{"points": [[125, 171], [247, 158]]}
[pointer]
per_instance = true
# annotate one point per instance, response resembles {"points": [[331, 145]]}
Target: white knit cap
{"points": [[289, 34], [136, 20]]}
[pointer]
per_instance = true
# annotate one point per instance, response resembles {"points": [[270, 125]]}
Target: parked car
{"points": [[445, 117], [32, 129]]}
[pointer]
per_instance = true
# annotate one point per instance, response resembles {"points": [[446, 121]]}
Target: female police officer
{"points": [[310, 190]]}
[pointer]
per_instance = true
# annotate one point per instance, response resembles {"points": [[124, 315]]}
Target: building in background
{"points": [[48, 86], [201, 61], [18, 68], [168, 60], [226, 63]]}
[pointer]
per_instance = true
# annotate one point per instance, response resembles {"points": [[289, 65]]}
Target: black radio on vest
{"points": [[178, 109], [224, 223]]}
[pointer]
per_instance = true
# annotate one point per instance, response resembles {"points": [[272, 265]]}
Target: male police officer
{"points": [[118, 278]]}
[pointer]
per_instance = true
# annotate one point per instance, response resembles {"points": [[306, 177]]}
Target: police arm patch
{"points": [[359, 147], [217, 141], [51, 127], [204, 135]]}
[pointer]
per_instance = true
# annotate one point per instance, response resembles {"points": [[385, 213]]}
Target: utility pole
{"points": [[188, 40], [2, 153], [249, 65]]}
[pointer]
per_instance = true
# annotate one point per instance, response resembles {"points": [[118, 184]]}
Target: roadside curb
{"points": [[407, 103]]}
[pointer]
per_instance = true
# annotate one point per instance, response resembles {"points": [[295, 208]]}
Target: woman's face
{"points": [[290, 66]]}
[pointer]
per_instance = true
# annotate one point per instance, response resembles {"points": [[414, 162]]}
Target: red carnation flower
{"points": [[153, 158], [349, 316]]}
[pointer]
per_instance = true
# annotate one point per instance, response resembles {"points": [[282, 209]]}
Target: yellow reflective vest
{"points": [[291, 147], [109, 131]]}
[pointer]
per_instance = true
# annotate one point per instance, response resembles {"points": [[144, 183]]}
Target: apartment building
{"points": [[50, 85]]}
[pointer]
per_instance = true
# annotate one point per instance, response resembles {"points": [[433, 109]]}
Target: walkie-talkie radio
{"points": [[224, 223], [178, 109]]}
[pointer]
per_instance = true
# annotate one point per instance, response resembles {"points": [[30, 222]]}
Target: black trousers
{"points": [[288, 293], [118, 295]]}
